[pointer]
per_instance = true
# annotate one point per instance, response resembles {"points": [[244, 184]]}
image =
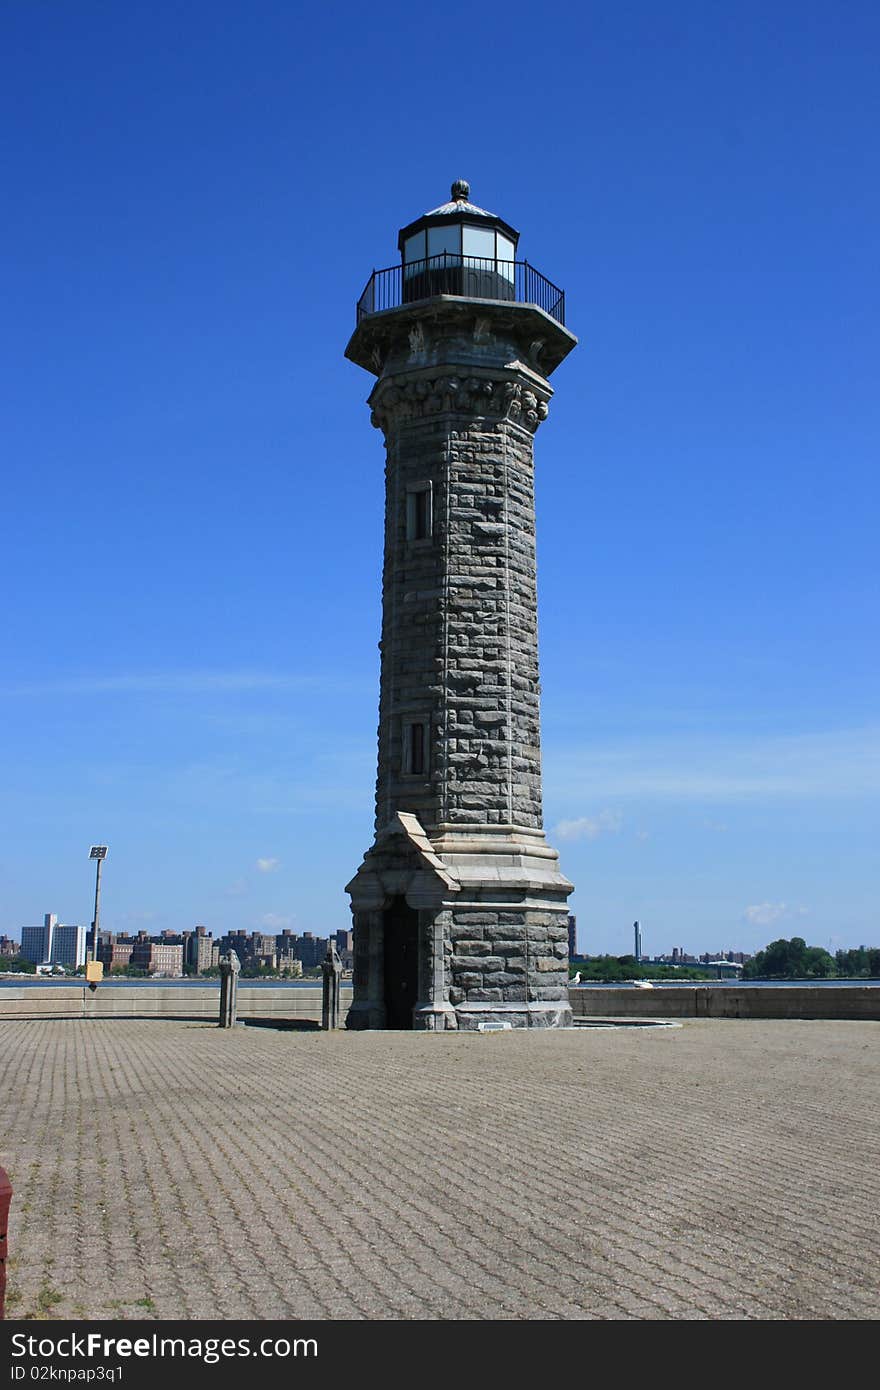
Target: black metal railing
{"points": [[469, 276]]}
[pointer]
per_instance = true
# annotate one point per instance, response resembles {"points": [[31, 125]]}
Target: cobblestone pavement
{"points": [[171, 1169]]}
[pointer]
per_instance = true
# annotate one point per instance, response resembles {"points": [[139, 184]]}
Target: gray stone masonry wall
{"points": [[507, 959], [459, 637]]}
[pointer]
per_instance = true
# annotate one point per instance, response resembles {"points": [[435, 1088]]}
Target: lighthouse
{"points": [[459, 907]]}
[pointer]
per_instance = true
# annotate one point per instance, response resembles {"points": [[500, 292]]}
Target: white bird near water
{"points": [[575, 979]]}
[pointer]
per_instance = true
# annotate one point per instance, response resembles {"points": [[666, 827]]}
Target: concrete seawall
{"points": [[154, 1001], [712, 1001], [264, 1002]]}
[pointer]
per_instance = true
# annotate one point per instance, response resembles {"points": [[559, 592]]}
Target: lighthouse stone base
{"points": [[479, 913]]}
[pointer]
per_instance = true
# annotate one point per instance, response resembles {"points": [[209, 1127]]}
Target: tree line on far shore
{"points": [[795, 960], [613, 968], [781, 960]]}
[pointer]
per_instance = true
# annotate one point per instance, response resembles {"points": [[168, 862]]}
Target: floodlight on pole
{"points": [[98, 853]]}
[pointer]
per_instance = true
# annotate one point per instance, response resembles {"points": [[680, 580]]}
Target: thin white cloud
{"points": [[765, 914], [237, 889], [589, 827], [274, 921], [823, 765], [267, 866], [171, 683]]}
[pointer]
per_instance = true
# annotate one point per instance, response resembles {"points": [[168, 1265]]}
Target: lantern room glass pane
{"points": [[413, 250], [444, 241], [506, 257], [479, 242]]}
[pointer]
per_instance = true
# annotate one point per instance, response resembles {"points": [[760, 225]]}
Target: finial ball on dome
{"points": [[461, 191]]}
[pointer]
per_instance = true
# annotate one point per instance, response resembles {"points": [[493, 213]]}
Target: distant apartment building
{"points": [[158, 957], [262, 944], [155, 956], [68, 946], [36, 942], [200, 951], [312, 949], [254, 949], [116, 955], [238, 942], [261, 950], [309, 949], [54, 943], [165, 959], [115, 951], [285, 942], [572, 936], [8, 947]]}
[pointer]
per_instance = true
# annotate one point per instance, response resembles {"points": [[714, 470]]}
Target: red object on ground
{"points": [[5, 1199]]}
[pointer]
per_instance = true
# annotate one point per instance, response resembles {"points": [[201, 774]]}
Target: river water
{"points": [[78, 982], [729, 983]]}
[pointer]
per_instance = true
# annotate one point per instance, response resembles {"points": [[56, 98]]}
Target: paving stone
{"points": [[721, 1170]]}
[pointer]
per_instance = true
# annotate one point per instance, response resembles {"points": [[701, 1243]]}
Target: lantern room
{"points": [[458, 248]]}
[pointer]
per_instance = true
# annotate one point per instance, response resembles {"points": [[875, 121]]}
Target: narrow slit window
{"points": [[418, 513], [415, 750]]}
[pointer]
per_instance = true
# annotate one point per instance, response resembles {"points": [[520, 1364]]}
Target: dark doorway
{"points": [[401, 963]]}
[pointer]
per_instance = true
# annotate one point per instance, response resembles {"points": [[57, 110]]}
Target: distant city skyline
{"points": [[194, 513], [192, 950], [658, 952]]}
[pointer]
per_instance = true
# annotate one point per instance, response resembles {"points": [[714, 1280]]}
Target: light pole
{"points": [[98, 853]]}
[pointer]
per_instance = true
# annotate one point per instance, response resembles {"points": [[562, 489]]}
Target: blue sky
{"points": [[195, 194]]}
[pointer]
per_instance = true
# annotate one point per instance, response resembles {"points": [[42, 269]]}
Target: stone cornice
{"points": [[522, 402]]}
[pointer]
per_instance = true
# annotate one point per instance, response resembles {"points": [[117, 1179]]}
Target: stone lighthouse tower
{"points": [[459, 906]]}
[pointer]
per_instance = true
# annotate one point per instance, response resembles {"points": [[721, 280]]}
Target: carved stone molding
{"points": [[474, 396]]}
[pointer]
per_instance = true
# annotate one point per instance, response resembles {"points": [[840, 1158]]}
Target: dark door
{"points": [[401, 963]]}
